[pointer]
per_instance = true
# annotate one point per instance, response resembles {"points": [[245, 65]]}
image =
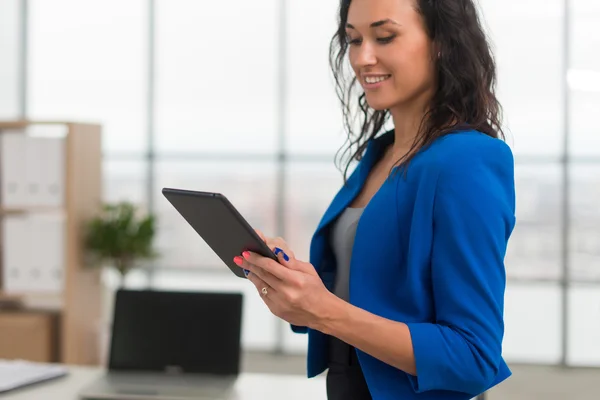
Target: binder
{"points": [[53, 177], [13, 147], [16, 254], [48, 241], [34, 172], [34, 254], [45, 174]]}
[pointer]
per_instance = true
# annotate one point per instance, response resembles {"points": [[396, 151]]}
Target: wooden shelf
{"points": [[79, 304], [31, 210]]}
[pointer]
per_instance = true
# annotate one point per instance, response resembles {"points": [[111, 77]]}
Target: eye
{"points": [[352, 42], [386, 40]]}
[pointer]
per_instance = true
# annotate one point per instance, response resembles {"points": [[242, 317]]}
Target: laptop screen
{"points": [[190, 332]]}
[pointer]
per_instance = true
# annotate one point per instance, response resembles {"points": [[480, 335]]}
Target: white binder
{"points": [[34, 172], [16, 254], [48, 260], [53, 178], [13, 181], [34, 254], [45, 171]]}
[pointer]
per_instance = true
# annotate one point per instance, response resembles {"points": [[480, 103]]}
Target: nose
{"points": [[364, 55]]}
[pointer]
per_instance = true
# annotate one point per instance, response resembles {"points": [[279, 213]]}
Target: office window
{"points": [[315, 123], [585, 218], [125, 181], [532, 323], [216, 76], [88, 63], [534, 250], [585, 15], [10, 48], [584, 326], [584, 131], [310, 189], [249, 186], [527, 38], [584, 78]]}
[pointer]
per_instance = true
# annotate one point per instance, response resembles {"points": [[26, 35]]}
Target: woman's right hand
{"points": [[277, 242]]}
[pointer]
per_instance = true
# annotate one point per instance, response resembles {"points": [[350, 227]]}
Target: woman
{"points": [[403, 296]]}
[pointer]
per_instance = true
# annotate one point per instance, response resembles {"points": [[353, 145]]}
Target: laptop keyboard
{"points": [[152, 384]]}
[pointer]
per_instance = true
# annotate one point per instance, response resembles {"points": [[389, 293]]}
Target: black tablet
{"points": [[219, 224]]}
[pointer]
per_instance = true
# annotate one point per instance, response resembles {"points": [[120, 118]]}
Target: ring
{"points": [[264, 290]]}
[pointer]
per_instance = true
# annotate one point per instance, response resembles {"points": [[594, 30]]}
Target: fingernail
{"points": [[238, 260], [285, 256], [246, 255]]}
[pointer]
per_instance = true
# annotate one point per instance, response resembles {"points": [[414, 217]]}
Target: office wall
{"points": [[219, 97]]}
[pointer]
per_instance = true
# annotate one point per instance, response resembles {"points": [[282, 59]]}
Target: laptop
{"points": [[171, 346]]}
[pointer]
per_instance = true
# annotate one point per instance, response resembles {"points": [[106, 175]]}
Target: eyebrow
{"points": [[376, 23]]}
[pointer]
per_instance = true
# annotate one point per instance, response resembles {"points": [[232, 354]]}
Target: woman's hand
{"points": [[276, 243], [291, 288]]}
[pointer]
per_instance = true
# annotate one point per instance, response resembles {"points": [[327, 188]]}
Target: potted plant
{"points": [[120, 237]]}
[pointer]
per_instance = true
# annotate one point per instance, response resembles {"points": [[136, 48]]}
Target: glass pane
{"points": [[249, 186], [527, 39], [311, 187], [125, 181], [216, 66], [585, 219], [534, 250], [88, 62], [532, 323], [258, 324], [10, 74], [584, 131], [585, 16], [315, 120], [584, 326]]}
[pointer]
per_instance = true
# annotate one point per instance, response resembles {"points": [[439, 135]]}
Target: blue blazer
{"points": [[429, 251]]}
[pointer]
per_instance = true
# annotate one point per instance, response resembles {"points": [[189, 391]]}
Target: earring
{"points": [[439, 54]]}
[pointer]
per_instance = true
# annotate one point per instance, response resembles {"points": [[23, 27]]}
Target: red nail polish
{"points": [[246, 255], [238, 260]]}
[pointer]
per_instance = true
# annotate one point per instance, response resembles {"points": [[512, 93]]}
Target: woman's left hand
{"points": [[291, 289]]}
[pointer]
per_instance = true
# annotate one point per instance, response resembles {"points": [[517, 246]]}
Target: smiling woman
{"points": [[403, 295]]}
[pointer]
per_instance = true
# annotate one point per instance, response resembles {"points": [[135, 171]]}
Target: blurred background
{"points": [[236, 97]]}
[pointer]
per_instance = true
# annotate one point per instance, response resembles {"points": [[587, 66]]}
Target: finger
{"points": [[259, 284], [295, 264], [261, 235], [290, 263], [253, 269], [268, 265], [271, 297], [265, 276], [279, 243]]}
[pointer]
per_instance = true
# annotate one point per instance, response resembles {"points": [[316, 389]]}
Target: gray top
{"points": [[342, 240]]}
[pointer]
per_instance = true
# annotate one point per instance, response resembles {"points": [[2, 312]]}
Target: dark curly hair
{"points": [[466, 79]]}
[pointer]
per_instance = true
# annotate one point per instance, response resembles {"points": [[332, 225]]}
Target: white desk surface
{"points": [[248, 387]]}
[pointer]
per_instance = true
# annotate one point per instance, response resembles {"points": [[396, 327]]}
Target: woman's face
{"points": [[390, 52]]}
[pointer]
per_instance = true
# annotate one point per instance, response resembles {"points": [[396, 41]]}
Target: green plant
{"points": [[120, 237]]}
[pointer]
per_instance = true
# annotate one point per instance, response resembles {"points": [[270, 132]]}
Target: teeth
{"points": [[371, 79]]}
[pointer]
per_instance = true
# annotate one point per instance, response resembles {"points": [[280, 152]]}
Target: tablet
{"points": [[219, 224]]}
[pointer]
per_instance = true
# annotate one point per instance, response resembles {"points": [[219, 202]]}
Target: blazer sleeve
{"points": [[473, 217]]}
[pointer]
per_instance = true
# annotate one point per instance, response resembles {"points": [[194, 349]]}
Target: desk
{"points": [[248, 387]]}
